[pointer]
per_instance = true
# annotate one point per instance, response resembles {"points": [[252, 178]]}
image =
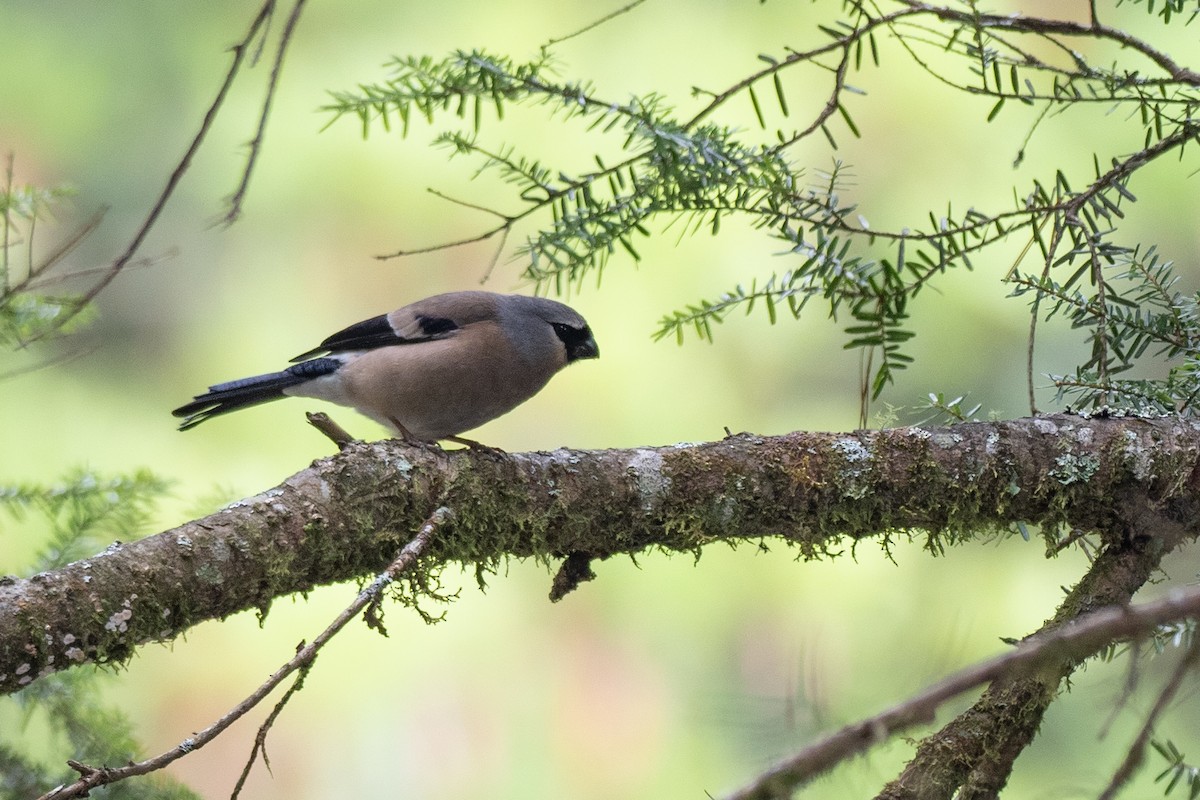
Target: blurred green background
{"points": [[664, 678]]}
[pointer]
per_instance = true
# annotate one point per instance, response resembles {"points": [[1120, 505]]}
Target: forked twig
{"points": [[239, 55], [91, 777], [235, 201]]}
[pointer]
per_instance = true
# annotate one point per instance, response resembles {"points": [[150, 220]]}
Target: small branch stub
{"points": [[575, 569]]}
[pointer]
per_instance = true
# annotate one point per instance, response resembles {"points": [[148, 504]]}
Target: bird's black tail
{"points": [[226, 397]]}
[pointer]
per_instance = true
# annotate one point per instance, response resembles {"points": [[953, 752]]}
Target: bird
{"points": [[428, 371]]}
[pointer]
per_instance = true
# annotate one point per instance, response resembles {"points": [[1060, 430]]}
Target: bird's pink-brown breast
{"points": [[443, 387]]}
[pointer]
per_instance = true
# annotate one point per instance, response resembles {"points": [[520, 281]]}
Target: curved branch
{"points": [[338, 519]]}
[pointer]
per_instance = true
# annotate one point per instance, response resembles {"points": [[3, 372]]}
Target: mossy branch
{"points": [[345, 516]]}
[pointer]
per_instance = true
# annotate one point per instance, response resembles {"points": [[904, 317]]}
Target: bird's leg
{"points": [[407, 437]]}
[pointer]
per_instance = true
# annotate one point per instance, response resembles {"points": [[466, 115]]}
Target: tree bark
{"points": [[345, 516]]}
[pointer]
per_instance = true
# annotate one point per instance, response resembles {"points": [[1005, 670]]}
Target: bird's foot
{"points": [[478, 447]]}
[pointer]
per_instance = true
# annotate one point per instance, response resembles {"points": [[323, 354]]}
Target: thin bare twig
{"points": [[91, 777], [47, 363], [1137, 750], [433, 248], [239, 55], [33, 277], [495, 259], [260, 738], [1036, 305], [333, 431], [9, 169], [43, 283], [625, 9], [34, 270], [235, 202], [503, 229]]}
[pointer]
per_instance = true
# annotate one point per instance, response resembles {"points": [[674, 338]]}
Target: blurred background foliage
{"points": [[662, 678]]}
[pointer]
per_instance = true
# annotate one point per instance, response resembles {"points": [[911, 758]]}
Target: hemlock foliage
{"points": [[684, 169]]}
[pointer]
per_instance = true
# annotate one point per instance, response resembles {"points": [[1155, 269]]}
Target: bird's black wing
{"points": [[380, 332]]}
